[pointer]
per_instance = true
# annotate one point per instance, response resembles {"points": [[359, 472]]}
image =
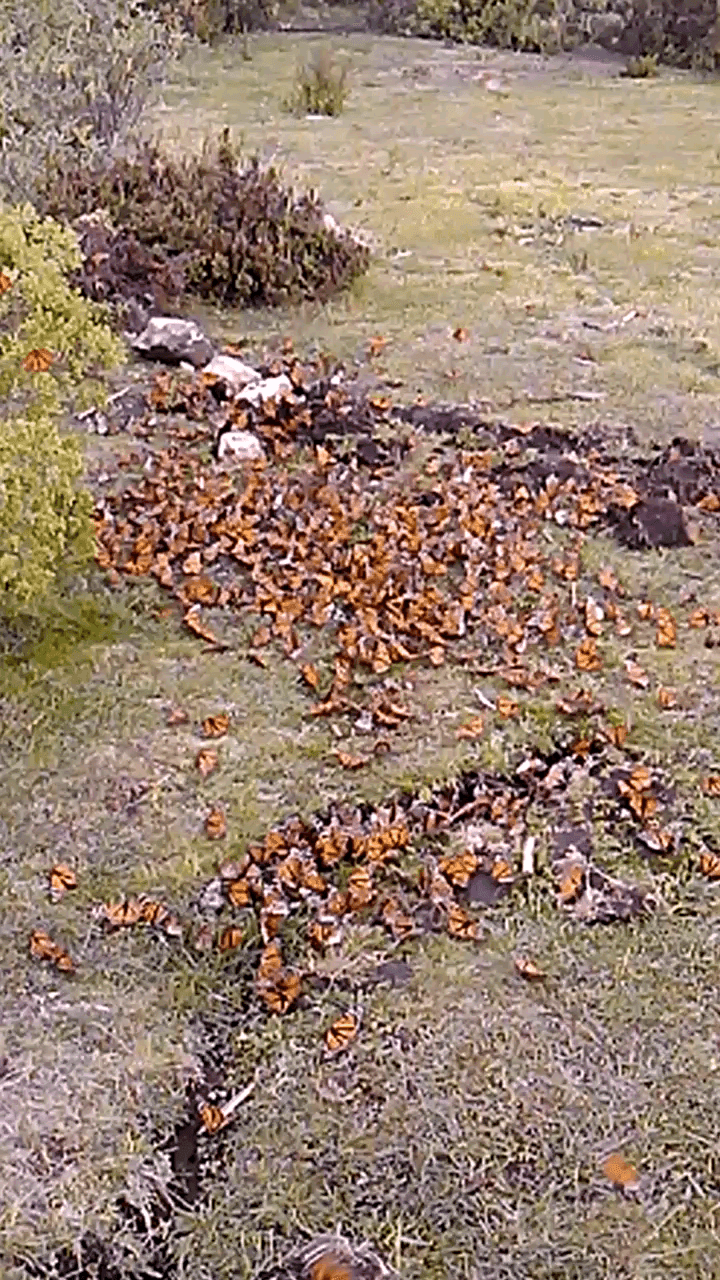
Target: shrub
{"points": [[538, 25], [321, 88], [50, 341], [684, 32], [676, 31], [642, 68], [76, 76], [238, 235], [209, 20]]}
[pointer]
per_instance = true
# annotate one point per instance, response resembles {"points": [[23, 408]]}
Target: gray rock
{"points": [[239, 446], [172, 340], [233, 372]]}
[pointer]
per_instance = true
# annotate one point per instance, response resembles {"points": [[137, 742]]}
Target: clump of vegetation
{"points": [[641, 68], [76, 80], [682, 32], [209, 20], [321, 87], [537, 25], [239, 235], [49, 339]]}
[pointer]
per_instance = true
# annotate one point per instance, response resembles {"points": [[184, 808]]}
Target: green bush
{"points": [[241, 237], [51, 343], [537, 25], [321, 88], [683, 32], [75, 78]]}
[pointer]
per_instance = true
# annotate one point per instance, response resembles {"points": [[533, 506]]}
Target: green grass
{"points": [[464, 1131]]}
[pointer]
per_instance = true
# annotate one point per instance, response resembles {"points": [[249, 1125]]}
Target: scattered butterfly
{"points": [[62, 878], [215, 825], [206, 761], [528, 969], [341, 1033], [38, 360], [42, 947], [216, 726], [620, 1172], [710, 865]]}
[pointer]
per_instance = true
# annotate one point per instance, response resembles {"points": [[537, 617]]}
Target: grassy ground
{"points": [[463, 1134]]}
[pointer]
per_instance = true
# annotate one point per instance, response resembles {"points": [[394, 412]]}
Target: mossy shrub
{"points": [[52, 344]]}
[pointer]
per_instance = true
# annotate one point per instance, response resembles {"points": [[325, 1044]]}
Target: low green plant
{"points": [[321, 87], [642, 68], [51, 339]]}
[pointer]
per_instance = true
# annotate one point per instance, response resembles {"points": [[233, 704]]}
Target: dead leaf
{"points": [[636, 674], [177, 716]]}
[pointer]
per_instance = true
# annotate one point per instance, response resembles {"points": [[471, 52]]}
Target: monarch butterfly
{"points": [[38, 360], [459, 867], [215, 726], [42, 947], [230, 938], [153, 913], [324, 933], [121, 914], [400, 924], [360, 890], [238, 892], [501, 871], [460, 924], [281, 990], [571, 884], [5, 283], [213, 1118], [711, 785], [206, 761], [62, 878], [215, 825], [528, 969], [710, 865], [330, 1268], [620, 1172], [270, 960], [341, 1033]]}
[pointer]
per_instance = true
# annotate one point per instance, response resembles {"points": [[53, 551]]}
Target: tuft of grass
{"points": [[641, 68], [321, 86]]}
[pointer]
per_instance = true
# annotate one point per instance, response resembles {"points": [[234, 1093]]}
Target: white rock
{"points": [[239, 446], [269, 389], [233, 372]]}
